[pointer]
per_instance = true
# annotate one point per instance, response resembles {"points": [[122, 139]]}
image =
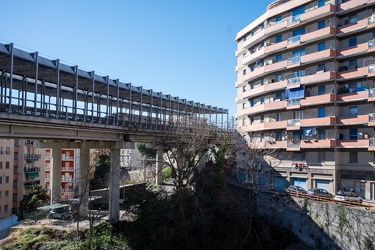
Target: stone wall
{"points": [[323, 225]]}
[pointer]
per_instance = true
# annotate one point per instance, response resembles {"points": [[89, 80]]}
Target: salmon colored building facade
{"points": [[305, 85]]}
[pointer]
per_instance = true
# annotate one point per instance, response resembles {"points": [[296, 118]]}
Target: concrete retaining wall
{"points": [[323, 225]]}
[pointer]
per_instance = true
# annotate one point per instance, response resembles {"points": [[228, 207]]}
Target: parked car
{"points": [[320, 192], [295, 190], [97, 203], [347, 196], [60, 213]]}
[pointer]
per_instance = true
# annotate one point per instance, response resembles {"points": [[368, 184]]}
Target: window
{"points": [[1, 180], [244, 105], [278, 136], [321, 3], [244, 88], [321, 157], [1, 165], [321, 46], [353, 19], [353, 157], [278, 19], [321, 112], [252, 103], [252, 68], [299, 32], [6, 193], [321, 68], [278, 117], [321, 25], [15, 184], [353, 134], [279, 39], [353, 110], [6, 209], [1, 194], [251, 120], [278, 96], [244, 72], [352, 41], [262, 137], [321, 90], [279, 58], [6, 179], [262, 100], [252, 85], [262, 118], [7, 165], [279, 77], [321, 134], [352, 65]]}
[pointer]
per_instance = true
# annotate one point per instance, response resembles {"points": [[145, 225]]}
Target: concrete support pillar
{"points": [[56, 173], [159, 166], [83, 179], [114, 186]]}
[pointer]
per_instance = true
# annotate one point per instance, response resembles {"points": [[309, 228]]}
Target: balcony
{"points": [[265, 126], [293, 41], [249, 58], [318, 13], [32, 157], [277, 144], [318, 34], [250, 41], [371, 95], [354, 96], [371, 146], [266, 87], [32, 169], [352, 5], [275, 47], [294, 82], [294, 103], [317, 100], [275, 66], [294, 61], [275, 28], [276, 105], [353, 74], [318, 77], [293, 124], [258, 72], [353, 27], [359, 143], [355, 50], [352, 120], [326, 143], [318, 56], [371, 120], [322, 121], [294, 145]]}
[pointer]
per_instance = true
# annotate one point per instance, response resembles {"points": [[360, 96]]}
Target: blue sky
{"points": [[183, 48]]}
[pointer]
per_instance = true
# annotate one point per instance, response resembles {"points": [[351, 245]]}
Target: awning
{"points": [[295, 93]]}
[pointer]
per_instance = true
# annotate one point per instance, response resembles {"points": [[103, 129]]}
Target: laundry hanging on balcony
{"points": [[309, 131], [295, 93]]}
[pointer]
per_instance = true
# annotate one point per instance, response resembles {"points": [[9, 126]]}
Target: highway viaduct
{"points": [[63, 106]]}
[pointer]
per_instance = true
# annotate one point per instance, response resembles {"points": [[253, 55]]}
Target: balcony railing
{"points": [[371, 68], [292, 102], [294, 60], [371, 44], [294, 143], [371, 19], [294, 80], [294, 39], [294, 122], [32, 157], [372, 142], [33, 169], [294, 19], [371, 117]]}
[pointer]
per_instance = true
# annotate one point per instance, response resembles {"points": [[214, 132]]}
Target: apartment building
{"points": [[305, 85], [10, 177]]}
